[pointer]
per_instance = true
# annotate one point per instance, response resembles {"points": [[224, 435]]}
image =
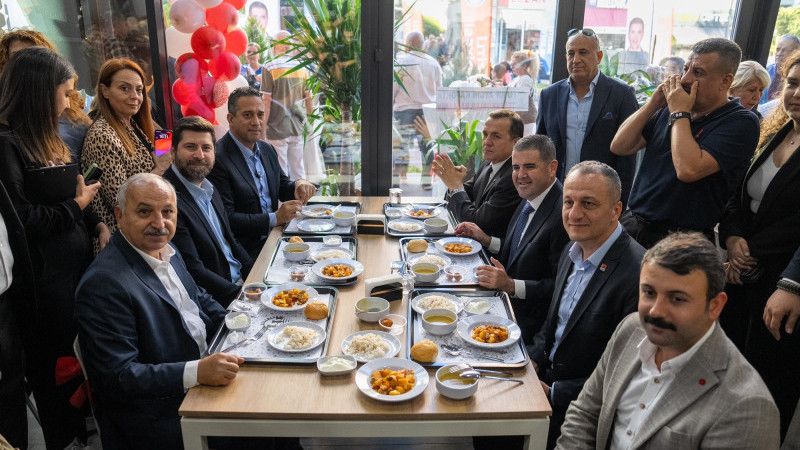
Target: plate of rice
{"points": [[431, 258], [296, 337], [405, 225], [332, 253], [434, 300], [368, 345]]}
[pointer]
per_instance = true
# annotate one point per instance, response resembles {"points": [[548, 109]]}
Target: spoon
{"points": [[474, 375]]}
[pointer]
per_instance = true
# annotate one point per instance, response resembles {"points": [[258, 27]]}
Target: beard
{"points": [[194, 172]]}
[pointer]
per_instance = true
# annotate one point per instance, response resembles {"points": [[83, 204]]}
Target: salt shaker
{"points": [[395, 195]]}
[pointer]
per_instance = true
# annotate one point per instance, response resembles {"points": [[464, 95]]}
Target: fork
{"points": [[455, 351], [257, 336], [461, 367]]}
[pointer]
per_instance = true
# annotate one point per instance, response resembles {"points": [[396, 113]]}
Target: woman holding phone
{"points": [[34, 159], [120, 141]]}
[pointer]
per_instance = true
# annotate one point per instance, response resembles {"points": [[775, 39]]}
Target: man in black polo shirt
{"points": [[698, 147]]}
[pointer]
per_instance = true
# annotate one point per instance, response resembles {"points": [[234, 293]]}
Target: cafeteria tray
{"points": [[513, 356], [470, 262], [446, 215], [278, 272], [260, 352], [355, 207]]}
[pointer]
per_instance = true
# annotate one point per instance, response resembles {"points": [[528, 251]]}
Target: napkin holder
{"points": [[370, 224], [389, 287]]}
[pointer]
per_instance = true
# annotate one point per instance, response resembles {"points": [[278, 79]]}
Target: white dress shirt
{"points": [[188, 309], [495, 244], [421, 75], [646, 389], [6, 258]]}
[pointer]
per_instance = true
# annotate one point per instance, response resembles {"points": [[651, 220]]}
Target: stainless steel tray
{"points": [[291, 227], [470, 262], [277, 273], [513, 355], [446, 215], [260, 352]]}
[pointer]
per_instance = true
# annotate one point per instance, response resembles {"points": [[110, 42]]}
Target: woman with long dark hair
{"points": [[34, 162]]}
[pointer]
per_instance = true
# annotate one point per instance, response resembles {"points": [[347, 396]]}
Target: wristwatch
{"points": [[679, 115]]}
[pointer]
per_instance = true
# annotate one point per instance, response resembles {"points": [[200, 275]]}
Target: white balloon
{"points": [[237, 82], [208, 3], [186, 16], [177, 43]]}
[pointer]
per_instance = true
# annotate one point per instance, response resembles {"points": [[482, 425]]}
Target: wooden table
{"points": [[282, 400]]}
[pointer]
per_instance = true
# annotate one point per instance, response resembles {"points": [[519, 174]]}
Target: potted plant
{"points": [[463, 143]]}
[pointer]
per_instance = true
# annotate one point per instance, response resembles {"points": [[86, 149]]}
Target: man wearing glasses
{"points": [[582, 113]]}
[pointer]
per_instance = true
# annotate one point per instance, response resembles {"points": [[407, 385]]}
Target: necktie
{"points": [[522, 220]]}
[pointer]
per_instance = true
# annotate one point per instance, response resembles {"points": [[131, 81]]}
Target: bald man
{"points": [[421, 75]]}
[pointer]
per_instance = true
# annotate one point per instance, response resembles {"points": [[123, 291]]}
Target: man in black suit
{"points": [[16, 295], [582, 113], [596, 286], [213, 256], [528, 255], [248, 176], [489, 199]]}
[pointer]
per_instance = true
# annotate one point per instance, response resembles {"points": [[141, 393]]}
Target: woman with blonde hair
{"points": [[749, 83], [761, 231], [120, 141], [525, 65]]}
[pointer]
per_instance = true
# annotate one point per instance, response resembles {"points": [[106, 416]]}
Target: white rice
{"points": [[367, 346], [330, 254], [432, 259], [437, 302], [297, 338], [405, 226]]}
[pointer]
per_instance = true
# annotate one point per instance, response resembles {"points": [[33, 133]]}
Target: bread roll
{"points": [[295, 240], [316, 310], [424, 351], [417, 245]]}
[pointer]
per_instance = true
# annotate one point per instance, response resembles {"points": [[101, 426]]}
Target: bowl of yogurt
{"points": [[330, 366], [477, 307]]}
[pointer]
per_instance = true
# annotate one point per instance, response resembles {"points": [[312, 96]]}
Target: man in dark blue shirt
{"points": [[698, 147]]}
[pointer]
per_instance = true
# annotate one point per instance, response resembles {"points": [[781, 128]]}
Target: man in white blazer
{"points": [[670, 378]]}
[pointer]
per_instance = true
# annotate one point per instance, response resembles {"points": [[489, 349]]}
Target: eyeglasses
{"points": [[584, 31]]}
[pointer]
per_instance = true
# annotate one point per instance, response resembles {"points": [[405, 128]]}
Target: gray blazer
{"points": [[732, 410]]}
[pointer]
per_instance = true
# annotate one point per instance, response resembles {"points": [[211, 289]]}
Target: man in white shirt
{"points": [[144, 324], [421, 75], [670, 378], [528, 254]]}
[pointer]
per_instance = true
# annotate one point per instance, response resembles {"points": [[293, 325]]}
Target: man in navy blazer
{"points": [[215, 259], [582, 113], [249, 177], [144, 325], [528, 254], [596, 286]]}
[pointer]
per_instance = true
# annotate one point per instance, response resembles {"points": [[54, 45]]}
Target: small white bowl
{"points": [[253, 291], [435, 225], [479, 308], [331, 373], [453, 390], [332, 240], [439, 328], [234, 323], [455, 273], [298, 273], [296, 251], [344, 218], [398, 324], [370, 309], [426, 277]]}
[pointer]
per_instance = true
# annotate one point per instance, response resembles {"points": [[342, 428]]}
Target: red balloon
{"points": [[221, 93], [184, 93], [208, 42], [236, 42], [190, 68], [224, 17], [226, 67], [198, 108], [238, 4]]}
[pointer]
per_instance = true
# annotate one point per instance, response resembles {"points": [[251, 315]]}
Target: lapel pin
{"points": [[603, 267], [702, 381]]}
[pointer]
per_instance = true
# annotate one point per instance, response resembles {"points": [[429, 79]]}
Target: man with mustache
{"points": [[699, 145], [595, 287], [670, 378], [215, 259], [144, 325]]}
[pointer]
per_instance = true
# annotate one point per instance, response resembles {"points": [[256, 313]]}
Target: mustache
{"points": [[153, 231], [660, 323]]}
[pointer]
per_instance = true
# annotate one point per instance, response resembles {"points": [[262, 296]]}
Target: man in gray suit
{"points": [[670, 378]]}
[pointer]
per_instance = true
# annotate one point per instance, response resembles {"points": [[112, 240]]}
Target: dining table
{"points": [[283, 400]]}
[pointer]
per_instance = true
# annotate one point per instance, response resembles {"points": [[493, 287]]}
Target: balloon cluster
{"points": [[207, 43]]}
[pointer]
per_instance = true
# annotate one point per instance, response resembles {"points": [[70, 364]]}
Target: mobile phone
{"points": [[92, 174], [163, 140]]}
